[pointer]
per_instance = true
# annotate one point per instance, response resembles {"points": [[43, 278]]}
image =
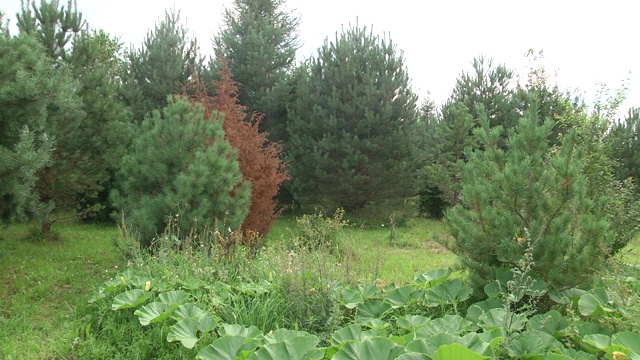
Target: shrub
{"points": [[533, 187], [181, 165]]}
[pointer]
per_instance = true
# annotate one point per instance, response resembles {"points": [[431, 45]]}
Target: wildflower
{"points": [[115, 266], [339, 264], [110, 279], [147, 286], [122, 279]]}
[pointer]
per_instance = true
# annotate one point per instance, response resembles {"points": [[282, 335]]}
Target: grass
{"points": [[41, 283]]}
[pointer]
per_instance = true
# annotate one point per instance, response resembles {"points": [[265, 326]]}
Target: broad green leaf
{"points": [[596, 303], [413, 356], [377, 348], [404, 339], [371, 310], [412, 322], [226, 347], [377, 324], [448, 292], [630, 340], [154, 312], [500, 319], [400, 297], [532, 343], [185, 332], [431, 344], [130, 299], [450, 324], [295, 348], [552, 356], [458, 352], [433, 277], [192, 283], [188, 311], [351, 298], [572, 354], [368, 291], [475, 310], [250, 332], [280, 335], [599, 341], [349, 333], [371, 333], [472, 341], [207, 322], [549, 322], [173, 297]]}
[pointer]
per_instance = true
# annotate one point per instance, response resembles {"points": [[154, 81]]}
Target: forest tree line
{"points": [[91, 129]]}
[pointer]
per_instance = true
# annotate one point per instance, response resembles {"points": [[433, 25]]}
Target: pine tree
{"points": [[161, 67], [354, 130], [259, 40], [180, 165], [260, 160], [527, 188], [31, 89], [624, 140], [91, 137]]}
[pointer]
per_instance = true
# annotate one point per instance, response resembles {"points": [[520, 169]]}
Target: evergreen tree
{"points": [[487, 86], [54, 25], [161, 67], [624, 140], [97, 62], [180, 165], [260, 160], [354, 130], [90, 138], [31, 89], [527, 189], [259, 40]]}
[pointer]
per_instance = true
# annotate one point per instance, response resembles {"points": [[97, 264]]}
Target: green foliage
{"points": [[91, 128], [54, 26], [625, 145], [353, 128], [160, 68], [527, 188], [180, 165], [318, 231], [259, 41], [36, 97]]}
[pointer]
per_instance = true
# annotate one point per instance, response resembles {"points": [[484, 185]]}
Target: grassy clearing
{"points": [[41, 283]]}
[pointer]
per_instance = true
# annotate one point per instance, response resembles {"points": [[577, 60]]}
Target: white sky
{"points": [[585, 41]]}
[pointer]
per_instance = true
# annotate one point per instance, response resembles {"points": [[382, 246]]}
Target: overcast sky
{"points": [[585, 41]]}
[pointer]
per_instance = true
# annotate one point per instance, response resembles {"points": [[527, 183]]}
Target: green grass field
{"points": [[43, 283]]}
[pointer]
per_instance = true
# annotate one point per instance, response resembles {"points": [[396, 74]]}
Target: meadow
{"points": [[56, 296]]}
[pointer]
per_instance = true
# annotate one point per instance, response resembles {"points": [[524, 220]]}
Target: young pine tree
{"points": [[259, 40], [161, 67], [180, 165], [527, 187]]}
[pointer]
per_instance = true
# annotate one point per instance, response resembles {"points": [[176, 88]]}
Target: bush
{"points": [[528, 187], [320, 232]]}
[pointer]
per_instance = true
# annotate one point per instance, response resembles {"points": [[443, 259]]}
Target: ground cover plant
{"points": [[45, 285], [204, 303]]}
